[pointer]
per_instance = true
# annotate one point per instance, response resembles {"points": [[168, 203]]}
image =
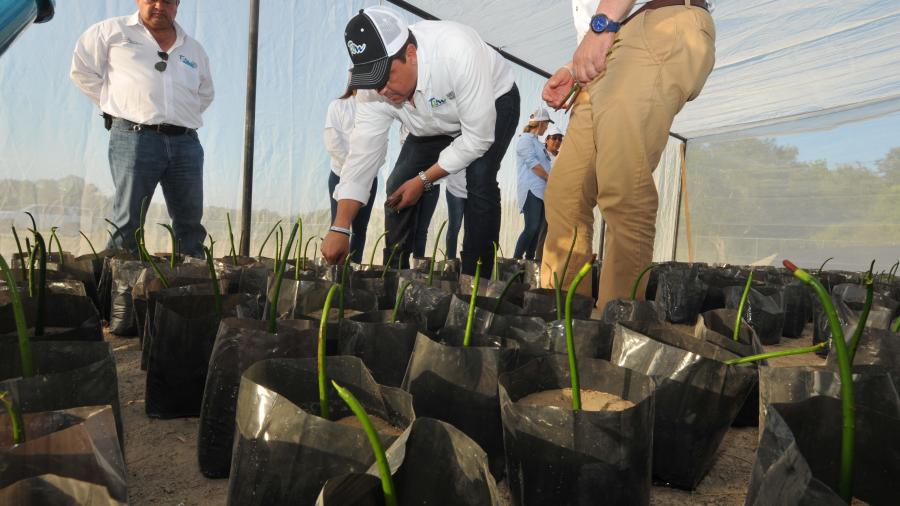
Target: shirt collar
{"points": [[423, 79]]}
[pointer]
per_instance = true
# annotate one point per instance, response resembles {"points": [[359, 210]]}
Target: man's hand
{"points": [[590, 57], [407, 195], [558, 87], [335, 247]]}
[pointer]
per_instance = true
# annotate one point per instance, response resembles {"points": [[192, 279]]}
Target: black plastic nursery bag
{"points": [[681, 292], [542, 302], [763, 312], [625, 310], [426, 304], [66, 318], [384, 347], [488, 288]]}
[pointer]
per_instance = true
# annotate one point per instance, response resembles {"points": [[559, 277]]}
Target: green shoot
{"points": [[343, 285], [217, 294], [467, 338], [637, 281], [41, 310], [893, 270], [146, 256], [143, 218], [570, 340], [320, 355], [519, 274], [305, 250], [279, 241], [776, 354], [232, 252], [15, 417], [433, 262], [387, 482], [266, 240], [845, 484], [398, 301], [54, 237], [212, 244], [118, 231], [387, 265], [443, 254], [375, 248], [33, 223], [495, 272], [562, 277], [297, 252], [90, 244], [279, 276], [867, 307], [740, 310], [21, 325], [174, 243], [19, 248], [31, 259], [819, 272]]}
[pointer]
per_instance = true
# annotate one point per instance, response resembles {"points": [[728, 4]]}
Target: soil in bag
{"points": [[66, 318], [70, 456], [285, 451], [432, 463], [697, 396], [762, 310], [66, 375], [560, 457], [681, 292], [384, 347], [798, 458], [458, 385], [542, 302], [239, 344], [184, 330]]}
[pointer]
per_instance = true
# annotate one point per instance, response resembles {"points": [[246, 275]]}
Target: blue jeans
{"points": [[360, 223], [456, 207], [534, 218], [426, 207], [141, 159]]}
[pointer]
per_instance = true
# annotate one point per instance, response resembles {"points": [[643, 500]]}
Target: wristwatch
{"points": [[426, 182], [601, 23]]}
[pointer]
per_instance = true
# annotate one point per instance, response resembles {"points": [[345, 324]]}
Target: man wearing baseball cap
{"points": [[457, 97]]}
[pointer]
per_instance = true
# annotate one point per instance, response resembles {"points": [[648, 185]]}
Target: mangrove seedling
{"points": [[54, 237], [845, 483], [821, 267], [344, 269], [15, 417], [519, 274], [279, 238], [266, 240], [387, 482], [864, 315], [895, 327], [32, 258], [232, 252], [118, 231], [740, 310], [19, 248], [777, 354], [570, 340], [297, 249], [279, 276], [562, 278], [637, 281], [320, 354], [142, 250], [495, 272], [90, 244], [397, 302], [217, 294], [374, 249], [305, 250], [41, 287], [437, 240], [174, 243], [33, 223], [467, 338], [387, 265], [19, 317]]}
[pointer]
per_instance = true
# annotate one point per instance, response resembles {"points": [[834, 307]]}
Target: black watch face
{"points": [[599, 23]]}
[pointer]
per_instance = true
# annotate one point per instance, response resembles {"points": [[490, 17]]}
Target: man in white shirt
{"points": [[637, 65], [152, 82], [457, 97]]}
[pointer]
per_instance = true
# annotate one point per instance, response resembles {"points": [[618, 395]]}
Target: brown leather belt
{"points": [[656, 4]]}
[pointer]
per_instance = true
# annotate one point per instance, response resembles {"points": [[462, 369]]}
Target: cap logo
{"points": [[355, 48]]}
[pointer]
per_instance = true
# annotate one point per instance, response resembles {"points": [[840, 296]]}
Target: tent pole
{"points": [[683, 194], [249, 129]]}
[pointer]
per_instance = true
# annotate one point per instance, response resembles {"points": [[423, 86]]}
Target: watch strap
{"points": [[427, 184], [340, 230]]}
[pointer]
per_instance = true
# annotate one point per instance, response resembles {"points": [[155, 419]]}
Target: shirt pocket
{"points": [[186, 72]]}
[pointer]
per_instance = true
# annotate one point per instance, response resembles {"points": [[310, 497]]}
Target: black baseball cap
{"points": [[374, 37]]}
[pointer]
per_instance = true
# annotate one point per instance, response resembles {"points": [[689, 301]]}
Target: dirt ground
{"points": [[161, 455]]}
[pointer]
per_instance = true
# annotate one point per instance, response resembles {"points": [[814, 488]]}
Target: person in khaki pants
{"points": [[636, 65]]}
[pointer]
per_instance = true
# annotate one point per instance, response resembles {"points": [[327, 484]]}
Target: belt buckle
{"points": [[137, 127]]}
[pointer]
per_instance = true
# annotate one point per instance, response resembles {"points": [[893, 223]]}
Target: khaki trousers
{"points": [[617, 131]]}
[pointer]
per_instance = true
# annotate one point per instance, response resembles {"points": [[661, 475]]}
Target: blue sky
{"points": [[863, 142]]}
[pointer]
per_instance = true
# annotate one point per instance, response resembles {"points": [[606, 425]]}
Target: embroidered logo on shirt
{"points": [[451, 96], [436, 102], [187, 62], [355, 48], [129, 41]]}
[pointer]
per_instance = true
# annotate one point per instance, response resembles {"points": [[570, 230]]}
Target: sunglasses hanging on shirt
{"points": [[161, 66]]}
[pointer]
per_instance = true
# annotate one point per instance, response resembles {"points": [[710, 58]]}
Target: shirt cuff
{"points": [[353, 191], [451, 160]]}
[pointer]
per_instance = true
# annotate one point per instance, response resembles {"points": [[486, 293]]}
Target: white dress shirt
{"points": [[456, 184], [113, 65], [459, 78], [584, 10], [338, 127]]}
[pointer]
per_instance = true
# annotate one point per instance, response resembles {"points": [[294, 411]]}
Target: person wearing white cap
{"points": [[552, 141], [532, 168], [637, 63], [457, 97]]}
